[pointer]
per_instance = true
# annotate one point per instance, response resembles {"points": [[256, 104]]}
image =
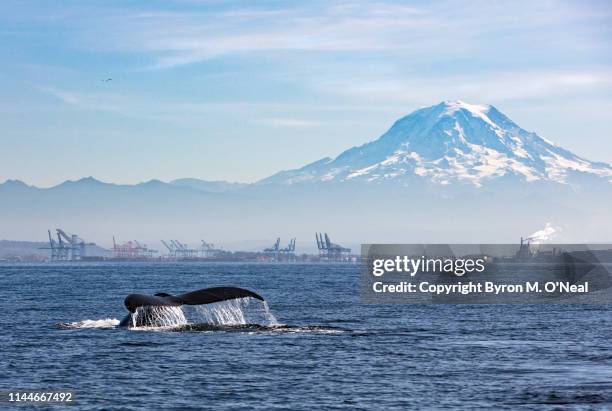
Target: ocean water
{"points": [[323, 349]]}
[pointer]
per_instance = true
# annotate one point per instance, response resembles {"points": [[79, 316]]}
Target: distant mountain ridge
{"points": [[210, 186], [451, 142], [91, 182]]}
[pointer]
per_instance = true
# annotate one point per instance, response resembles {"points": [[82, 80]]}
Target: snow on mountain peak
{"points": [[476, 109], [453, 141]]}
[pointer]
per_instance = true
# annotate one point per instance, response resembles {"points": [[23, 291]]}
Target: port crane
{"points": [[177, 249], [275, 248], [208, 250], [329, 250], [132, 249], [67, 247], [290, 247], [278, 252]]}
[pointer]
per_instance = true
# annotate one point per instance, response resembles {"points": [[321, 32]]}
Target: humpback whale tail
{"points": [[204, 296]]}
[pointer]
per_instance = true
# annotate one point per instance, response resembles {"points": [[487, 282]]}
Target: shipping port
{"points": [[64, 246]]}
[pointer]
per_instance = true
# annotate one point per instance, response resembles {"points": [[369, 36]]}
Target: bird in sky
{"points": [[107, 79]]}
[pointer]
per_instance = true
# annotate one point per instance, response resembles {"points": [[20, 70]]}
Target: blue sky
{"points": [[238, 90]]}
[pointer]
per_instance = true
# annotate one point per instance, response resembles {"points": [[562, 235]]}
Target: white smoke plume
{"points": [[545, 234]]}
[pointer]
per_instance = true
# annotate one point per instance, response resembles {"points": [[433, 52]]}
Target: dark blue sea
{"points": [[330, 352]]}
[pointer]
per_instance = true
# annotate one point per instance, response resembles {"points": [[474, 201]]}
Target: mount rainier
{"points": [[453, 172], [451, 142]]}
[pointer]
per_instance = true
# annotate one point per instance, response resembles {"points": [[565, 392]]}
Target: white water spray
{"points": [[151, 316], [272, 321], [240, 311], [105, 323]]}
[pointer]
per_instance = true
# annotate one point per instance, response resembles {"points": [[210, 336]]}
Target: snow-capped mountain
{"points": [[465, 173], [448, 143]]}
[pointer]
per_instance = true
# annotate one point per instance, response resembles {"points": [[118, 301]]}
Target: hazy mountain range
{"points": [[209, 186], [453, 172]]}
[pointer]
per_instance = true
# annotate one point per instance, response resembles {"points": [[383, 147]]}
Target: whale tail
{"points": [[216, 294], [203, 296]]}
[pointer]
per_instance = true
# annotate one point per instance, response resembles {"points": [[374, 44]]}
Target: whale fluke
{"points": [[203, 296], [216, 294], [148, 303]]}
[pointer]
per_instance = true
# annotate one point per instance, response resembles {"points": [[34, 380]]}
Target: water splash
{"points": [[105, 323], [272, 321], [151, 316], [225, 313], [240, 311], [237, 312]]}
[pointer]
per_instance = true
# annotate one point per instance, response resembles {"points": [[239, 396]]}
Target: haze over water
{"points": [[332, 351]]}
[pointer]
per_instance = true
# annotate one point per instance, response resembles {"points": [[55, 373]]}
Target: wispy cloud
{"points": [[448, 28], [86, 101], [291, 122], [185, 38], [62, 95], [487, 87]]}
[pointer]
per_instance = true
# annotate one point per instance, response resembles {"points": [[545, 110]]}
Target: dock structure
{"points": [[208, 250], [178, 250], [132, 250], [275, 249], [290, 249], [277, 253], [330, 251], [182, 251], [67, 247]]}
